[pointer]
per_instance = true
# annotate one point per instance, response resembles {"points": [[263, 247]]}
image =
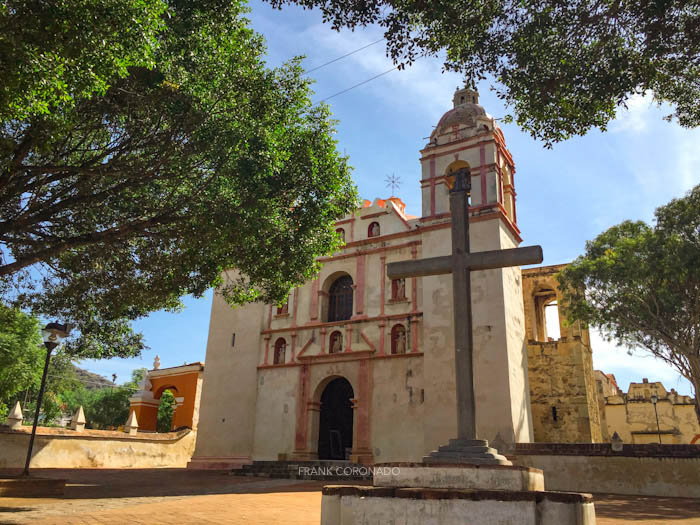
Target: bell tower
{"points": [[467, 136]]}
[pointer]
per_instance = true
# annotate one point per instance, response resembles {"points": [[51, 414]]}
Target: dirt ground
{"points": [[172, 496]]}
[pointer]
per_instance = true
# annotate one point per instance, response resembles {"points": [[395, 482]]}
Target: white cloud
{"points": [[687, 157], [633, 368], [422, 86], [635, 119]]}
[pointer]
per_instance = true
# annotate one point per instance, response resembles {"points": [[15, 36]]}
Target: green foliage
{"points": [[108, 407], [641, 285], [77, 397], [137, 376], [197, 161], [563, 67], [51, 409], [166, 410], [22, 354], [58, 52]]}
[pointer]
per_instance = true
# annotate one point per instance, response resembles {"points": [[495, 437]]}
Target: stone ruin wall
{"points": [[560, 370]]}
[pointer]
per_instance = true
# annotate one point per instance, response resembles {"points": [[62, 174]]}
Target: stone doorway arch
{"points": [[335, 429]]}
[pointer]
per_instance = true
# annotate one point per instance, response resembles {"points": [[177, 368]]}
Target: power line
{"points": [[360, 84], [345, 55]]}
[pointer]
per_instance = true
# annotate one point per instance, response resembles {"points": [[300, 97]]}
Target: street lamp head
{"points": [[54, 333], [654, 398]]}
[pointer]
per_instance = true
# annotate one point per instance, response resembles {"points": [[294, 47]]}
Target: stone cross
{"points": [[466, 448]]}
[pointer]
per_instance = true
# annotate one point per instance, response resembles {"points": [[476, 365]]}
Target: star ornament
{"points": [[393, 182]]}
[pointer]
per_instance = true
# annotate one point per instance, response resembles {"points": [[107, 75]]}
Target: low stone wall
{"points": [[646, 470], [62, 448]]}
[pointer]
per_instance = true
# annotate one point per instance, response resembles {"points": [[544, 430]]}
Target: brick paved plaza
{"points": [[98, 496]]}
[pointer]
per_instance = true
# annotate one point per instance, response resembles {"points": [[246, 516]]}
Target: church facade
{"points": [[359, 366]]}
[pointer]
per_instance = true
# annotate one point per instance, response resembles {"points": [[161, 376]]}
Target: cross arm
{"points": [[487, 260], [504, 258]]}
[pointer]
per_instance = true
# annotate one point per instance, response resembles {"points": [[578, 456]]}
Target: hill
{"points": [[91, 380]]}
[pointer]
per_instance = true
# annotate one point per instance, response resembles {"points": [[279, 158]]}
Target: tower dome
{"points": [[466, 112]]}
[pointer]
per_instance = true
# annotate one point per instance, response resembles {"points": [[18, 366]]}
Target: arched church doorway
{"points": [[335, 424]]}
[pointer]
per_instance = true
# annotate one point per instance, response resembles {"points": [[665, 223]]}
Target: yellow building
{"points": [[633, 415]]}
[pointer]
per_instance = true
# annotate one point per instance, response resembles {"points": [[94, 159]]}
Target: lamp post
{"points": [[654, 400], [52, 334]]}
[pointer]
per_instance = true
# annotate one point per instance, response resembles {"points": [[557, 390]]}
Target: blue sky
{"points": [[565, 195]]}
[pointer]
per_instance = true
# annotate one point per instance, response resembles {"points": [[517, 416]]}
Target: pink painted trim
{"points": [[432, 185], [360, 291], [414, 335], [359, 355], [348, 339], [267, 349], [414, 284], [352, 229], [381, 249], [323, 340], [404, 221], [369, 343], [382, 337], [269, 318], [382, 285], [296, 304], [313, 309], [339, 324], [294, 342], [474, 142], [443, 178], [304, 348], [330, 358], [364, 381], [373, 215], [512, 183], [482, 163], [302, 413]]}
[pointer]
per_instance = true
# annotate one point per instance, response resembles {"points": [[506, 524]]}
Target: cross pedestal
{"points": [[466, 448]]}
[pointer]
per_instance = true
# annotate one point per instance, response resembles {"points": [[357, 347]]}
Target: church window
{"points": [[280, 348], [341, 233], [284, 309], [555, 416], [398, 289], [398, 339], [340, 299], [336, 343], [373, 230]]}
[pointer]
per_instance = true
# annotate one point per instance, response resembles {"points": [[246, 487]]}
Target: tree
{"points": [[166, 410], [641, 285], [563, 67], [117, 204], [108, 408], [21, 355], [58, 52]]}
